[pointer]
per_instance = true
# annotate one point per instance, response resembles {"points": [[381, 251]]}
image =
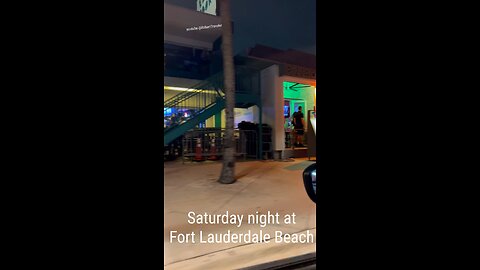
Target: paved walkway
{"points": [[262, 186]]}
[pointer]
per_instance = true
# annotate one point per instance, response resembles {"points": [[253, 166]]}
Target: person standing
{"points": [[299, 124]]}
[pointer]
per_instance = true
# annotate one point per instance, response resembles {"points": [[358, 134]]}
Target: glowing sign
{"points": [[207, 6]]}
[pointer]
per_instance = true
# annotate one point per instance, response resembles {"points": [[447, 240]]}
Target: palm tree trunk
{"points": [[228, 170]]}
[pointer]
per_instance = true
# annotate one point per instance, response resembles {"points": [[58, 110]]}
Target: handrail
{"points": [[194, 102], [197, 100], [195, 89]]}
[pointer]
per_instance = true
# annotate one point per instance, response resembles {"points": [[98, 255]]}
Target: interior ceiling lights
{"points": [[174, 88]]}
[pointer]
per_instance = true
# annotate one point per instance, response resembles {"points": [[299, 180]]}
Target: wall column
{"points": [[218, 120]]}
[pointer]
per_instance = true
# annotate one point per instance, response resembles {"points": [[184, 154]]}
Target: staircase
{"points": [[200, 101], [206, 99]]}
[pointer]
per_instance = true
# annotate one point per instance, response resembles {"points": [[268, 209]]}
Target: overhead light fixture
{"points": [[174, 88]]}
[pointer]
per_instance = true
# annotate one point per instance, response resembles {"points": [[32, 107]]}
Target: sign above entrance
{"points": [[207, 6]]}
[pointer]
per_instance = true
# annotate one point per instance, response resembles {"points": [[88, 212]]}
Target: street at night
{"points": [[239, 121], [211, 160], [264, 186]]}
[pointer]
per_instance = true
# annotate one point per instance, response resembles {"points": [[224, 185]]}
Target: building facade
{"points": [[188, 51], [286, 85], [282, 80]]}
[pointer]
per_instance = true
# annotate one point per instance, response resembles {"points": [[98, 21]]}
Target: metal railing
{"points": [[213, 82], [208, 96], [188, 104], [208, 144]]}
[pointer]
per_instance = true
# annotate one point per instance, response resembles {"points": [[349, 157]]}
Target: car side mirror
{"points": [[310, 181]]}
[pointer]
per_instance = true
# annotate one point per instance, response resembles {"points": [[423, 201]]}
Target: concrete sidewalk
{"points": [[262, 186]]}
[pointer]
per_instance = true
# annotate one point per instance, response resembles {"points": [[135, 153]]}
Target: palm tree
{"points": [[228, 170]]}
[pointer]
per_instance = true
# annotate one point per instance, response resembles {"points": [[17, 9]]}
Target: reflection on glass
{"points": [[314, 180]]}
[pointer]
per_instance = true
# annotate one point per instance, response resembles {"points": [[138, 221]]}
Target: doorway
{"points": [[296, 104]]}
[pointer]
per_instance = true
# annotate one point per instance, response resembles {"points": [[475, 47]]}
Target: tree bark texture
{"points": [[228, 170]]}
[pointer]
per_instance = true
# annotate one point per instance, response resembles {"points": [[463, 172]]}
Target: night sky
{"points": [[282, 24]]}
